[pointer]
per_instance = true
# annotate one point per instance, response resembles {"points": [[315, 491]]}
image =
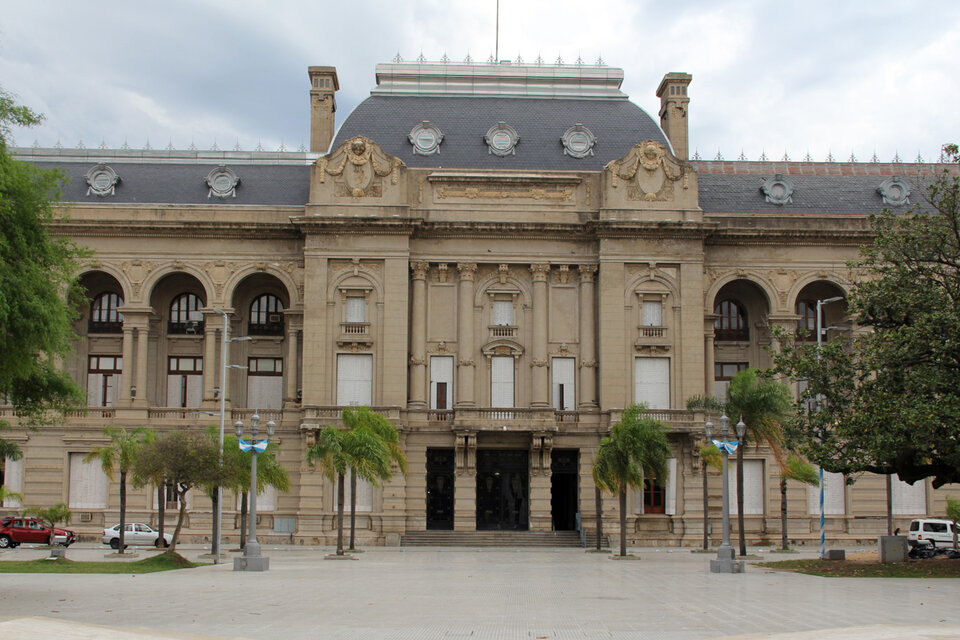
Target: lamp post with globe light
{"points": [[251, 559], [726, 561]]}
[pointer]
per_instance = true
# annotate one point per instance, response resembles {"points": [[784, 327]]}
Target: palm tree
{"points": [[794, 468], [119, 453], [763, 405], [7, 494], [636, 446], [367, 448]]}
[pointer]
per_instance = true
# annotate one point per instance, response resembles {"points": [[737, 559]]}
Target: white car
{"points": [[930, 532], [136, 533]]}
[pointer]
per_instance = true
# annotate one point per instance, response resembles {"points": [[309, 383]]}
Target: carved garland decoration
{"points": [[660, 171]]}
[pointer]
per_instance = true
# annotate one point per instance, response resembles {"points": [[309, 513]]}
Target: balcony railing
{"points": [[647, 331], [502, 331], [354, 333]]}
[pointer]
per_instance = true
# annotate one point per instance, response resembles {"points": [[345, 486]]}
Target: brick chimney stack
{"points": [[323, 104], [674, 105]]}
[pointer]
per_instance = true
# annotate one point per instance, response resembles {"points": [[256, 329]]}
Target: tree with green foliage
{"points": [[888, 399], [7, 494], [120, 453], [236, 473], [953, 514], [764, 405], [637, 447], [364, 446], [38, 299], [182, 458], [50, 516]]}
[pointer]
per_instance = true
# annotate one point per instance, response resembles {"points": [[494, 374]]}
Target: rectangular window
{"points": [[723, 373], [354, 379], [657, 496], [265, 383], [184, 381], [503, 313], [908, 499], [355, 309], [834, 503], [441, 382], [564, 394], [652, 314], [170, 495], [501, 381], [364, 495], [13, 480], [103, 380], [752, 487], [266, 501], [652, 382], [88, 484]]}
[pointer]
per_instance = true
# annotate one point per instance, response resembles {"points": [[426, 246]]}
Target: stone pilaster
{"points": [[418, 335], [465, 485], [124, 397], [588, 337], [212, 326], [291, 365], [541, 384], [709, 353], [466, 347]]}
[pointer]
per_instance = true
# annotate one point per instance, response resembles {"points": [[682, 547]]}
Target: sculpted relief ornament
{"points": [[358, 167], [649, 171]]}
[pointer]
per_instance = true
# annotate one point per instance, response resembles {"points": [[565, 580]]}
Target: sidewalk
{"points": [[401, 593]]}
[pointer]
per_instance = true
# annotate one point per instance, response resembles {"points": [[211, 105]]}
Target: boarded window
{"points": [[364, 495], [88, 484], [652, 314], [501, 381], [354, 379], [265, 383], [908, 499], [13, 480], [266, 501], [441, 382], [564, 390], [503, 313], [753, 489], [834, 502], [652, 382]]}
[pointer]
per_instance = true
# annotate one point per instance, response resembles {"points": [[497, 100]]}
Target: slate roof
{"points": [[540, 122], [182, 180]]}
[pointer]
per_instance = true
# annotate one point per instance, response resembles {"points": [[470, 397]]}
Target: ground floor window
{"points": [[658, 496], [908, 499], [12, 479], [834, 490], [88, 484], [364, 495], [753, 487]]}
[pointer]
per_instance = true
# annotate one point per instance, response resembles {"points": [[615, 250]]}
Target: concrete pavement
{"points": [[480, 594]]}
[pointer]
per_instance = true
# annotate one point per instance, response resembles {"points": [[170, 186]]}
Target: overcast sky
{"points": [[793, 77]]}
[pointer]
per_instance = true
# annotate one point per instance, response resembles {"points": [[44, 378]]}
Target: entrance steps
{"points": [[491, 539]]}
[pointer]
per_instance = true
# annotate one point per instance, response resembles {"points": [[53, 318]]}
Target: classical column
{"points": [[212, 325], [418, 335], [125, 398], [709, 380], [291, 356], [541, 384], [465, 342], [588, 336], [143, 348]]}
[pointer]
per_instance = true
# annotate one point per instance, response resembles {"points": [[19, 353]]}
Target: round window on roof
{"points": [[501, 139], [895, 191], [578, 141], [425, 138], [102, 181]]}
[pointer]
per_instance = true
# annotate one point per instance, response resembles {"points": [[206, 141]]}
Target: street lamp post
{"points": [[726, 561], [708, 432], [251, 559], [820, 332]]}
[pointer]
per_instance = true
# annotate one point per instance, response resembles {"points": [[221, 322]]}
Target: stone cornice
{"points": [[173, 229], [367, 226]]}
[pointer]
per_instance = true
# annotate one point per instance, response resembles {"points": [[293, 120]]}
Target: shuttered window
{"points": [[834, 502], [266, 501], [355, 309], [908, 500], [441, 382], [652, 382], [354, 379], [752, 487], [265, 383], [501, 381], [564, 394], [503, 313], [652, 314], [364, 495], [88, 484], [13, 480]]}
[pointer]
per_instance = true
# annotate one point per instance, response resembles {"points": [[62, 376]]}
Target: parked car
{"points": [[135, 533], [930, 532], [15, 531]]}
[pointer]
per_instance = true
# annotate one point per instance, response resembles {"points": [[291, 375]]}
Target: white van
{"points": [[929, 532]]}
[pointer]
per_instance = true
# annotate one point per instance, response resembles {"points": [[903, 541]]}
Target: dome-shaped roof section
{"points": [[540, 102]]}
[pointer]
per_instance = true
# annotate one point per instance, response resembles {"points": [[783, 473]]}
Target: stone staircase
{"points": [[550, 539]]}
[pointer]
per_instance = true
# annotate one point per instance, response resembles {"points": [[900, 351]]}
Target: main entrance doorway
{"points": [[440, 475], [503, 498], [564, 478]]}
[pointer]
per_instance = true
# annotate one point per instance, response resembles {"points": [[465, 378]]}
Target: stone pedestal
{"points": [[726, 561], [541, 517], [465, 503], [251, 564]]}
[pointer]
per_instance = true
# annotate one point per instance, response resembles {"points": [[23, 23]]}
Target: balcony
{"points": [[499, 331], [652, 336], [354, 333]]}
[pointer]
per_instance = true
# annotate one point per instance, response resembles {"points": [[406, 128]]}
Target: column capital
{"points": [[540, 271], [467, 270], [588, 272], [419, 269]]}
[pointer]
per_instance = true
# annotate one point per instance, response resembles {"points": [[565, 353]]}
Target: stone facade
{"points": [[502, 318]]}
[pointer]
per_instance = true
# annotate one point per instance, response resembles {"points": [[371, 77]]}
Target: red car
{"points": [[14, 531]]}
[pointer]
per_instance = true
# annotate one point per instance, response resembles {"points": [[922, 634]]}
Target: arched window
{"points": [[266, 316], [807, 310], [732, 323], [104, 314], [185, 315]]}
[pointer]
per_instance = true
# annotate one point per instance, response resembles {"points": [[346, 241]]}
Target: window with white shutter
{"points": [[441, 382], [355, 309], [501, 381], [503, 313], [652, 382], [834, 501], [908, 499], [364, 495], [184, 381], [752, 487], [265, 383], [354, 379], [564, 391], [652, 313], [88, 484], [103, 380], [13, 480], [266, 501]]}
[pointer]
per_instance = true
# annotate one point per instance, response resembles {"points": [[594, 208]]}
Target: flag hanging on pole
{"points": [[259, 447]]}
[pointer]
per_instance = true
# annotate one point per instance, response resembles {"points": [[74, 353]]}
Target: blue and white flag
{"points": [[730, 447], [259, 447]]}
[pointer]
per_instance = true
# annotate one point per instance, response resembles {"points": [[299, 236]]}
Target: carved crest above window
{"points": [[425, 138], [778, 190], [895, 191], [502, 139], [222, 182], [102, 181], [578, 141]]}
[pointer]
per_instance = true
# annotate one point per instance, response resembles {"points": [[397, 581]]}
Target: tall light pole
{"points": [[708, 432], [252, 560], [726, 561], [820, 332]]}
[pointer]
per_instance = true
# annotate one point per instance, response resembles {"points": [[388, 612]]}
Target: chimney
{"points": [[323, 104], [674, 104]]}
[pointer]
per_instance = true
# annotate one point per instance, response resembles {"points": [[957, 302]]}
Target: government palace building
{"points": [[497, 257]]}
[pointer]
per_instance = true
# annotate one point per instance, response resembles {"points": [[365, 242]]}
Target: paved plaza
{"points": [[480, 594]]}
